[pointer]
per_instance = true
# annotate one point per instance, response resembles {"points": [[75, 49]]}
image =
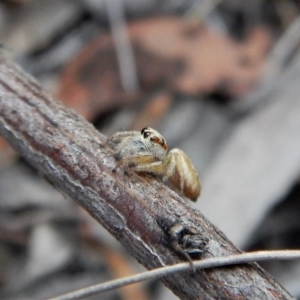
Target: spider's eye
{"points": [[164, 144], [155, 140], [145, 132]]}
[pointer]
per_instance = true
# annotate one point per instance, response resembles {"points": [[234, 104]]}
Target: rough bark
{"points": [[70, 153]]}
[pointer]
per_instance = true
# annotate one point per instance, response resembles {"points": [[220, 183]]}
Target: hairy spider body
{"points": [[147, 151]]}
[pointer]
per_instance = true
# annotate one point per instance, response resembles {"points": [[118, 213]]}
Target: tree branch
{"points": [[70, 153]]}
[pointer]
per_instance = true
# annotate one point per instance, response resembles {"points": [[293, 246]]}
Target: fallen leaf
{"points": [[172, 54]]}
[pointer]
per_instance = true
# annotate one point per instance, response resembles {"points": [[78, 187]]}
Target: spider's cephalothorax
{"points": [[147, 151]]}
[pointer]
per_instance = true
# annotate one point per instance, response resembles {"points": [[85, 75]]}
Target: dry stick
{"points": [[124, 49], [70, 153], [160, 272], [282, 51]]}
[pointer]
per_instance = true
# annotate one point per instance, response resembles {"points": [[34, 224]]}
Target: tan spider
{"points": [[147, 151]]}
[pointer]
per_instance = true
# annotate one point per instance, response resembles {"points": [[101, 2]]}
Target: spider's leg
{"points": [[182, 174], [118, 137], [135, 161], [155, 167]]}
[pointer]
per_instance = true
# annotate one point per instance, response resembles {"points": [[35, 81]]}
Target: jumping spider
{"points": [[147, 151]]}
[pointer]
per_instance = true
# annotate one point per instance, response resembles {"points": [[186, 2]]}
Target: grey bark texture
{"points": [[69, 152]]}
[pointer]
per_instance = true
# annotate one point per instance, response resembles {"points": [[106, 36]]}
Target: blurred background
{"points": [[220, 79]]}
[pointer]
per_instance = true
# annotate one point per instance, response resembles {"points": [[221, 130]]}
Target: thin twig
{"points": [[200, 10], [160, 272], [124, 50], [281, 52]]}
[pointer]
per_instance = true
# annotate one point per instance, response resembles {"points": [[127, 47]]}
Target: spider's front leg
{"points": [[182, 174], [140, 163]]}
